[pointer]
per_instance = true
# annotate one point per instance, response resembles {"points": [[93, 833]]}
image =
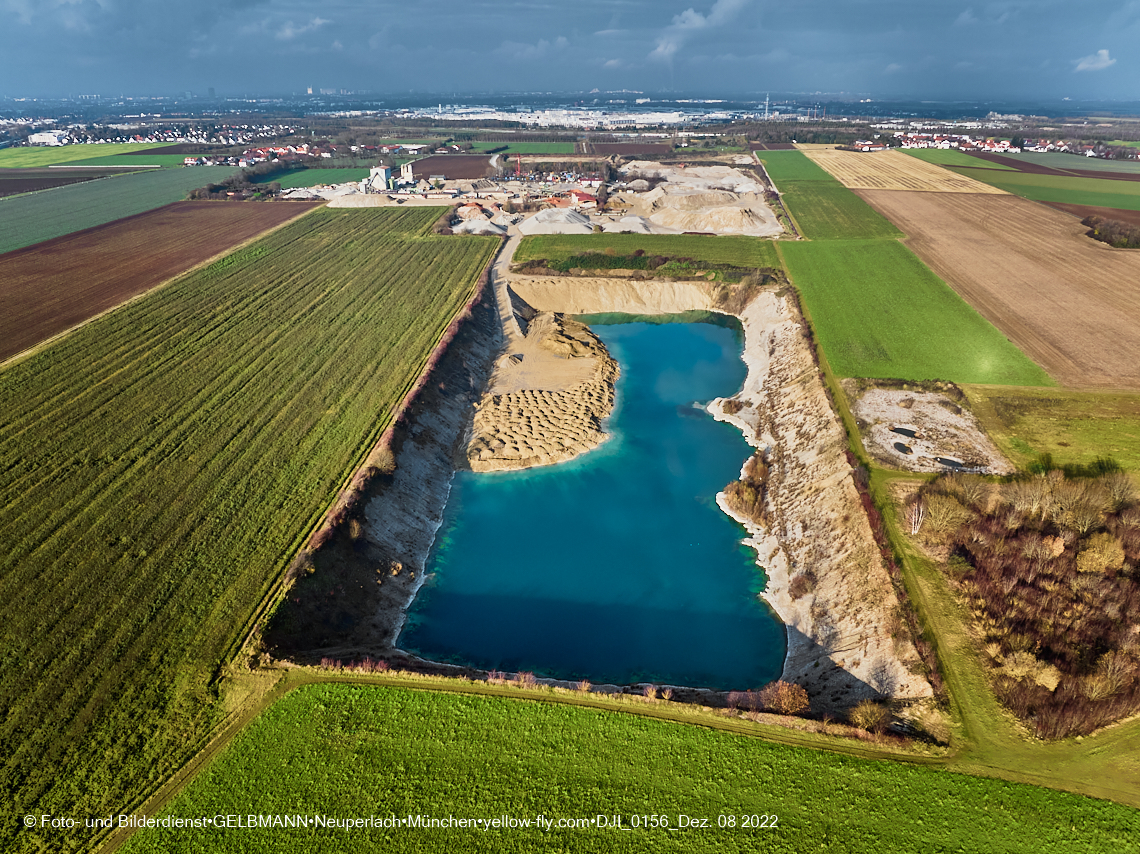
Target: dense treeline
{"points": [[1122, 235], [1048, 565]]}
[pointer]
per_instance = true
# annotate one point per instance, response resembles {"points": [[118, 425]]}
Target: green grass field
{"points": [[878, 311], [1074, 427], [50, 155], [726, 249], [1101, 192], [312, 177], [1061, 160], [349, 751], [1130, 143], [951, 157], [792, 166], [40, 216], [829, 211], [161, 467]]}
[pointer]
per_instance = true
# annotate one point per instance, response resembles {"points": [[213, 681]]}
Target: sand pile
{"points": [[478, 226], [557, 221], [628, 225], [697, 177], [711, 199], [470, 211], [546, 402]]}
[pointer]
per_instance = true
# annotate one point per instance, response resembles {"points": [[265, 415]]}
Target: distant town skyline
{"points": [[886, 48]]}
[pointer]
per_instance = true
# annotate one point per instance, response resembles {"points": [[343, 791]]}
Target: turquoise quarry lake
{"points": [[617, 566]]}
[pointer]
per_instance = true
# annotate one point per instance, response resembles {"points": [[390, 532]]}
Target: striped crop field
{"points": [[160, 467], [893, 170], [36, 217]]}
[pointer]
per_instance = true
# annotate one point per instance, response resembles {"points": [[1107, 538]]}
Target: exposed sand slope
{"points": [[1071, 303], [588, 295], [893, 170], [839, 636]]}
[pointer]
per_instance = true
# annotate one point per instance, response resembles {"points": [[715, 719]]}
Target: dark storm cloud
{"points": [[879, 47]]}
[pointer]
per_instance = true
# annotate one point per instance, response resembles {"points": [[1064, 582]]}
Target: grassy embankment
{"points": [[53, 155], [398, 749], [33, 218], [1101, 192], [730, 249], [163, 464]]}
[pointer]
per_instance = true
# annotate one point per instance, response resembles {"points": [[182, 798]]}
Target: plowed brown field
{"points": [[1070, 303], [50, 287], [893, 170]]}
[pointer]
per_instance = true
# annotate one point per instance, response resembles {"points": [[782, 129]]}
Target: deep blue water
{"points": [[617, 566]]}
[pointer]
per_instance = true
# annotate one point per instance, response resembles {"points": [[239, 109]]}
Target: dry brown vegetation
{"points": [[893, 170], [1070, 303], [52, 286], [1049, 567]]}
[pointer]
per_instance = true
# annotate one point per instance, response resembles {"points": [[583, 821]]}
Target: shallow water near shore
{"points": [[617, 566]]}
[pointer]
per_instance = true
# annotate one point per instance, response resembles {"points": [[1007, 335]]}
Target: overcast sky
{"points": [[883, 48]]}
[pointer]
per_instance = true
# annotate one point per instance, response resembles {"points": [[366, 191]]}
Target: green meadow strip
{"points": [[878, 311]]}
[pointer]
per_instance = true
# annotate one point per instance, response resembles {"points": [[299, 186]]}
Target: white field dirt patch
{"points": [[893, 170], [921, 431]]}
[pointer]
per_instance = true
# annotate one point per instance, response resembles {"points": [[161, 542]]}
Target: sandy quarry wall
{"points": [[585, 295], [843, 645]]}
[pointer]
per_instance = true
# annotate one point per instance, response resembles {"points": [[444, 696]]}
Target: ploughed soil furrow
{"points": [[1082, 211], [48, 288], [1070, 303]]}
